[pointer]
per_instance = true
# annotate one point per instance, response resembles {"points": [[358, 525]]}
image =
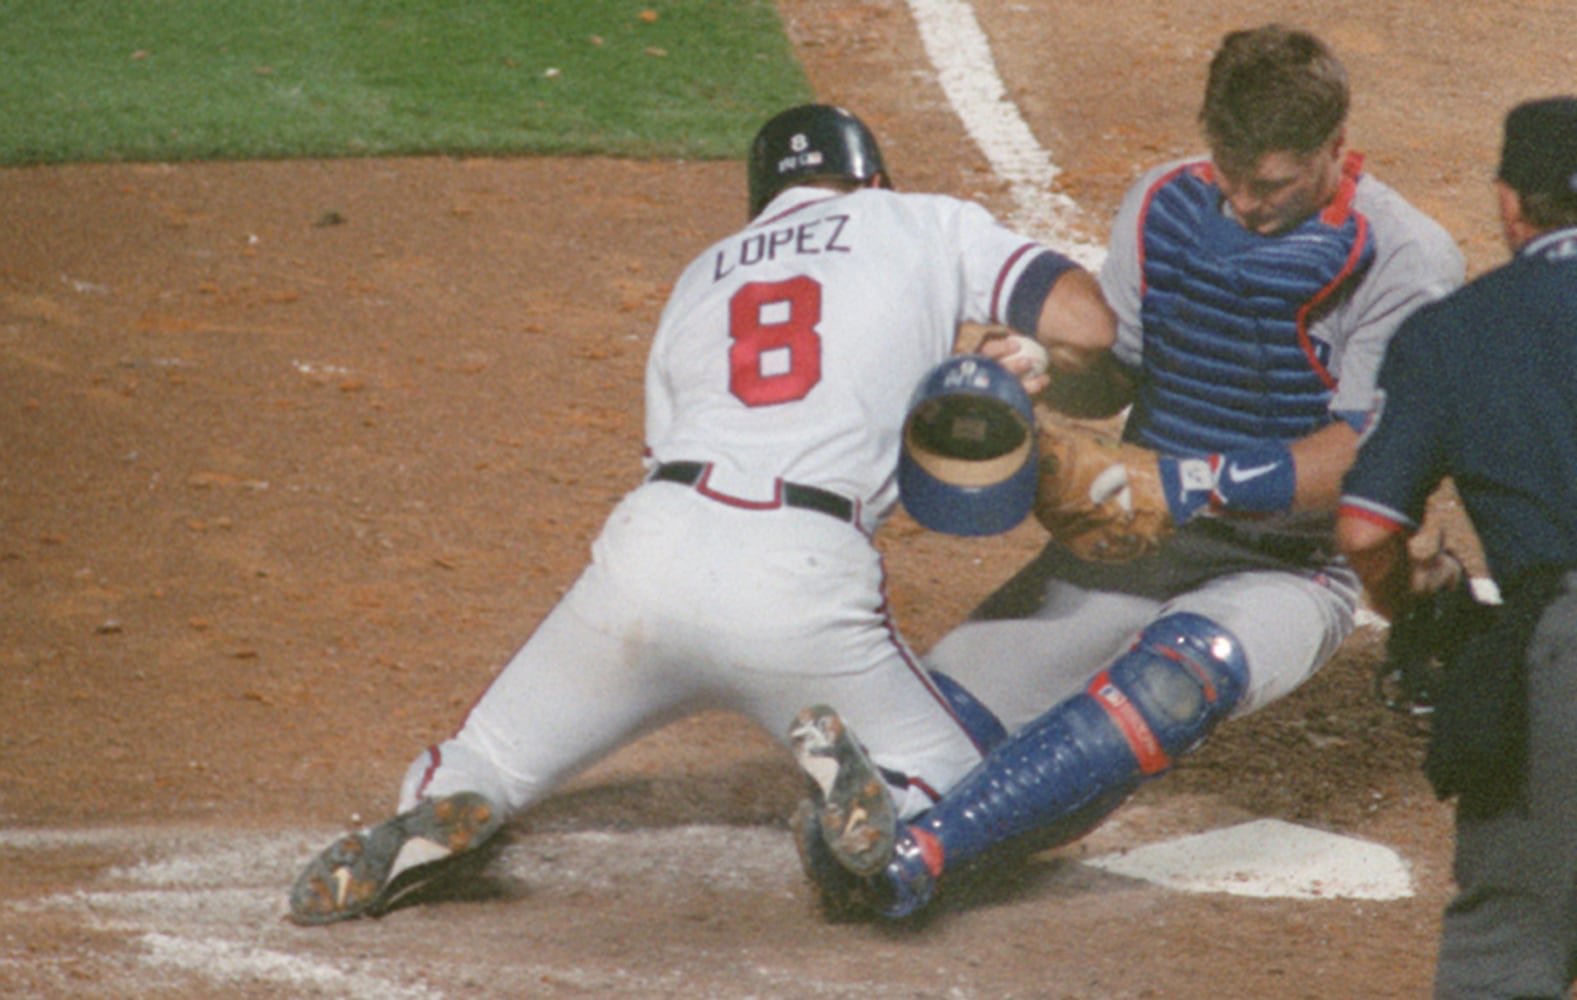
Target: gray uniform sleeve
{"points": [[1416, 262]]}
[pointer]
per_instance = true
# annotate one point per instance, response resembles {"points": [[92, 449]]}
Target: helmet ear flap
{"points": [[808, 142]]}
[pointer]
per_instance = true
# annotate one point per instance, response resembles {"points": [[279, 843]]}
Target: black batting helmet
{"points": [[811, 141]]}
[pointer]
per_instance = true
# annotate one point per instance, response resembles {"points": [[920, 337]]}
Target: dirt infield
{"points": [[293, 455]]}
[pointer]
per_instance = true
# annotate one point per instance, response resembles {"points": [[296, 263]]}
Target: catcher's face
{"points": [[1281, 189]]}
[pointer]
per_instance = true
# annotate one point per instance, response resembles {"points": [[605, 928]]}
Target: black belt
{"points": [[789, 494]]}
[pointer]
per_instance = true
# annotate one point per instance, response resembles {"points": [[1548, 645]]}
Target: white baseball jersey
{"points": [[782, 368], [791, 349]]}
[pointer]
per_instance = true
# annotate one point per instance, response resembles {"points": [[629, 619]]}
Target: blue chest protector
{"points": [[1228, 361]]}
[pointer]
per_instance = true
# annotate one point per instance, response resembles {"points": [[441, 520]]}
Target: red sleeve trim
{"points": [[1365, 514], [1002, 277]]}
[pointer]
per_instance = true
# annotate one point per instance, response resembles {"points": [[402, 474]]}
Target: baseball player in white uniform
{"points": [[741, 574]]}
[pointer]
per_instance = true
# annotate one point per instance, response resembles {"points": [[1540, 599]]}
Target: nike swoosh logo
{"points": [[1238, 475]]}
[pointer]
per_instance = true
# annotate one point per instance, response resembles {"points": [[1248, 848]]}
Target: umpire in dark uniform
{"points": [[1481, 387]]}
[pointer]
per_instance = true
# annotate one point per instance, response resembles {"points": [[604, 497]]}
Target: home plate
{"points": [[1268, 858]]}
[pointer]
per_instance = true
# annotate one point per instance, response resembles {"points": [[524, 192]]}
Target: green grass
{"points": [[107, 80]]}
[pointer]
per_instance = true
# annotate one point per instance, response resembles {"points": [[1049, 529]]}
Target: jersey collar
{"points": [[792, 200], [1556, 245]]}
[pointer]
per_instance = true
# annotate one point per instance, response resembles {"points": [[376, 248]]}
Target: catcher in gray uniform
{"points": [[1192, 575]]}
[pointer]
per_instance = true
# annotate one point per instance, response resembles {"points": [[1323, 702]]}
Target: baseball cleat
{"points": [[368, 872], [858, 821], [840, 895]]}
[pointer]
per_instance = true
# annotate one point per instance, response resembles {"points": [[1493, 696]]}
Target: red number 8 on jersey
{"points": [[776, 355]]}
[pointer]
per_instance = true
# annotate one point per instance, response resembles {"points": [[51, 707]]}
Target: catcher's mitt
{"points": [[1098, 495]]}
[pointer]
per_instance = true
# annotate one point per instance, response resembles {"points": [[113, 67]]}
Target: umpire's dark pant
{"points": [[1511, 930]]}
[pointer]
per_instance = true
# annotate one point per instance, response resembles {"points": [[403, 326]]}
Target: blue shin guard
{"points": [[1059, 776]]}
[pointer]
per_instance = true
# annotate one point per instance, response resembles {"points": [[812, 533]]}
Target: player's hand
{"points": [[1432, 567], [1022, 356]]}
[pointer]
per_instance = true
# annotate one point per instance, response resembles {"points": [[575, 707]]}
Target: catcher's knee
{"points": [[1181, 677], [1065, 771]]}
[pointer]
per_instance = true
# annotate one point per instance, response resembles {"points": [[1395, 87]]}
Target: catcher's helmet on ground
{"points": [[969, 464], [811, 141]]}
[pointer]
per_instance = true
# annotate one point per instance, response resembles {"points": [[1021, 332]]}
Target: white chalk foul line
{"points": [[210, 904], [228, 961], [961, 55], [205, 907], [206, 903]]}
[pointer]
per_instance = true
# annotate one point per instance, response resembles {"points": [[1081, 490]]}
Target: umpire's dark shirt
{"points": [[1481, 386]]}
